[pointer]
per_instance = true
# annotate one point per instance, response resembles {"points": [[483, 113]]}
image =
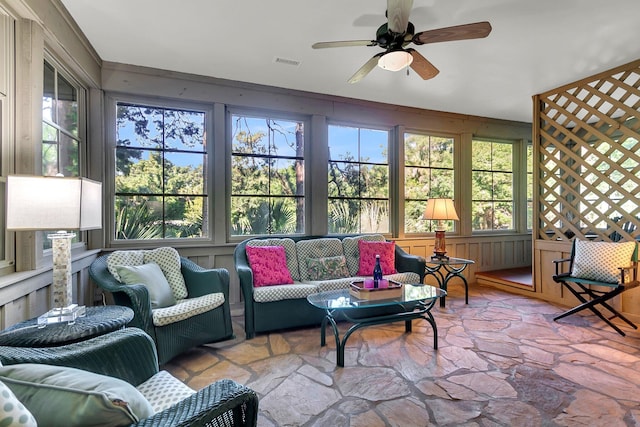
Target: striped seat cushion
{"points": [[187, 308], [282, 292]]}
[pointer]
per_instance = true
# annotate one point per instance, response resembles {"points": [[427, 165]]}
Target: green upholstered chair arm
{"points": [[245, 276], [134, 296], [406, 262], [201, 281], [224, 403], [128, 354]]}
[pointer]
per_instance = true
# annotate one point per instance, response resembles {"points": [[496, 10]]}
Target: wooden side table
{"points": [[97, 321], [453, 267]]}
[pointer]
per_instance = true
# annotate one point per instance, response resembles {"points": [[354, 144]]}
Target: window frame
{"points": [[111, 103], [391, 145], [516, 161], [453, 227], [7, 130], [80, 240], [273, 115]]}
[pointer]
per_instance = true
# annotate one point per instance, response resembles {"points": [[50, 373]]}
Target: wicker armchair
{"points": [[176, 337], [129, 354]]}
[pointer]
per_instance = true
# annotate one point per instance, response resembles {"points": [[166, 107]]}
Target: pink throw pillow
{"points": [[368, 252], [269, 265]]}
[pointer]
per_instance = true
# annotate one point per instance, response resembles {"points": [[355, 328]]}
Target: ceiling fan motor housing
{"points": [[389, 40]]}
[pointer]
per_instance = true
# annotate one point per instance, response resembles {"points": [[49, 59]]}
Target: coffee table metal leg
{"points": [[343, 344], [422, 311], [432, 321], [407, 326]]}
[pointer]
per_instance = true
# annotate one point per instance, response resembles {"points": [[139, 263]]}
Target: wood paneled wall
{"points": [[587, 139]]}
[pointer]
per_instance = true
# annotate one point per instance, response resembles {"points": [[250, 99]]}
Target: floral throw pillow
{"points": [[334, 267], [368, 252], [269, 265]]}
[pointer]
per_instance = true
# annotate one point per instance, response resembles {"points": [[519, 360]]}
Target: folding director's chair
{"points": [[597, 272]]}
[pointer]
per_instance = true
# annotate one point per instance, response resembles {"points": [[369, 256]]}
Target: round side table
{"points": [[97, 321]]}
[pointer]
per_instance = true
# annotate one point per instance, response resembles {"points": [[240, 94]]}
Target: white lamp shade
{"points": [[395, 60], [440, 209], [53, 203]]}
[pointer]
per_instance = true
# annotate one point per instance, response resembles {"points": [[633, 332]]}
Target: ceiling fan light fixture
{"points": [[395, 60]]}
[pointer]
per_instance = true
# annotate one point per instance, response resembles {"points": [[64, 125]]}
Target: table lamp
{"points": [[440, 210], [58, 204]]}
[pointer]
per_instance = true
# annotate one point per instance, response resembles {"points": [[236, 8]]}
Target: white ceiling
{"points": [[535, 46]]}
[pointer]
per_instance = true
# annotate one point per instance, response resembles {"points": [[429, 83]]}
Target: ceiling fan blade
{"points": [[398, 15], [459, 32], [422, 66], [345, 43], [366, 68]]}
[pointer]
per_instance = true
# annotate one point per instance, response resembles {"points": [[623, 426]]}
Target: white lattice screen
{"points": [[588, 136]]}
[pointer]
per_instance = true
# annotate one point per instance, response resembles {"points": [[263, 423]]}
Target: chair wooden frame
{"points": [[590, 298]]}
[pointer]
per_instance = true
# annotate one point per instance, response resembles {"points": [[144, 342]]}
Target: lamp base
{"points": [[67, 314], [439, 246]]}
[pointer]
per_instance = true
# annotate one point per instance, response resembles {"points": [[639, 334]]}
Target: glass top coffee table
{"points": [[415, 302]]}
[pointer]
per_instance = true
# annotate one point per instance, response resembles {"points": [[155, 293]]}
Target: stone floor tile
{"points": [[331, 418], [246, 352], [592, 409], [430, 389], [380, 383], [514, 413], [287, 406], [509, 349], [407, 412], [463, 358], [270, 373], [278, 344], [537, 355], [314, 374], [492, 384], [222, 370], [597, 380], [366, 419], [454, 413], [502, 361], [457, 391], [605, 352]]}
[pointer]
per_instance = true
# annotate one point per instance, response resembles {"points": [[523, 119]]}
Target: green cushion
{"points": [[152, 277], [12, 412], [62, 396]]}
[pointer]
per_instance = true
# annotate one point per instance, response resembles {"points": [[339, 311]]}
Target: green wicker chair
{"points": [[174, 338], [129, 354]]}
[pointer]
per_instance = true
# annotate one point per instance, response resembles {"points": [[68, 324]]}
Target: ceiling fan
{"points": [[398, 33]]}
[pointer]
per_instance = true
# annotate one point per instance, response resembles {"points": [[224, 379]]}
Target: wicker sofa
{"points": [[270, 308], [129, 354]]}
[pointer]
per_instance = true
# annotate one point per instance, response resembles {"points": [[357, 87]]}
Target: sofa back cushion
{"points": [[289, 249], [269, 265], [168, 259], [352, 251], [327, 268], [316, 248], [368, 252], [150, 275]]}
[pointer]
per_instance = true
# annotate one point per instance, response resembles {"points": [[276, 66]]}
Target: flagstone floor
{"points": [[501, 361]]}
